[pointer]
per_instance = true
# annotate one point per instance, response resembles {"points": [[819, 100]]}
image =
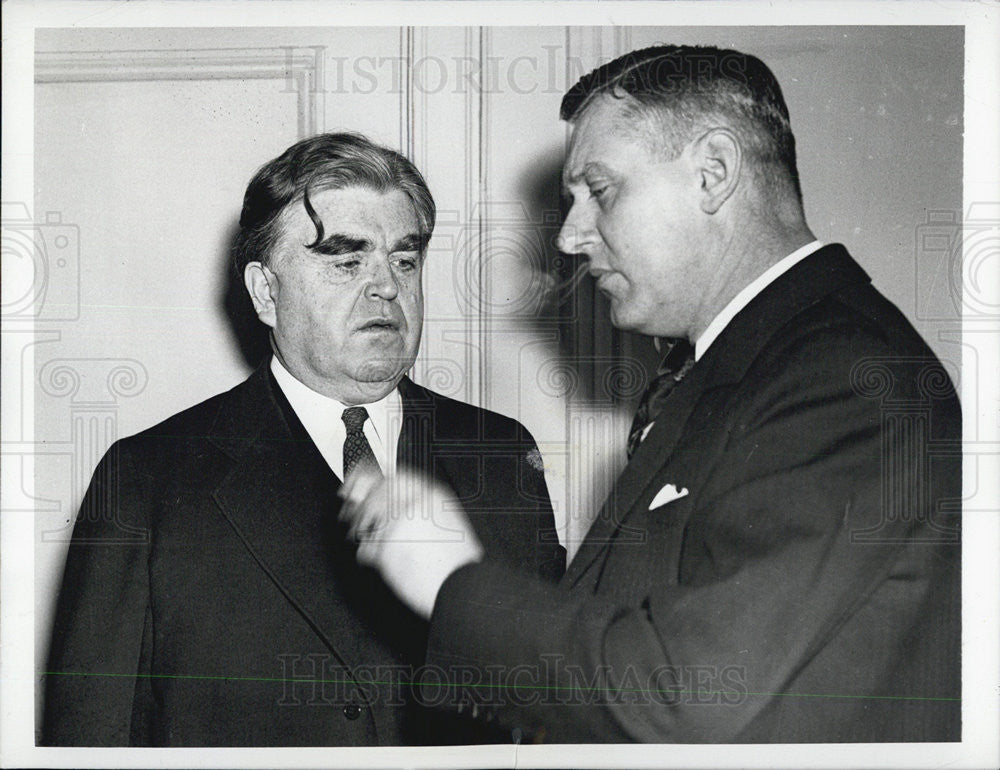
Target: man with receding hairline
{"points": [[241, 617], [779, 560]]}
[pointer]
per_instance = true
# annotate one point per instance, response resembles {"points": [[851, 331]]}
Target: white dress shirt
{"points": [[751, 290], [321, 417]]}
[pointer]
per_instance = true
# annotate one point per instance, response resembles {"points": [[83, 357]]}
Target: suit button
{"points": [[352, 711]]}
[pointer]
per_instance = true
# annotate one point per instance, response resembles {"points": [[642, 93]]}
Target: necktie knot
{"points": [[678, 358], [354, 418]]}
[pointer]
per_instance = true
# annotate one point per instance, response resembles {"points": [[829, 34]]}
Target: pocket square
{"points": [[668, 494]]}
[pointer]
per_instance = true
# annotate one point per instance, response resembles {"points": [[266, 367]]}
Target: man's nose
{"points": [[382, 282], [576, 234]]}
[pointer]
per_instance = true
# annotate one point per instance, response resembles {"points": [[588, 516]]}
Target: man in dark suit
{"points": [[210, 597], [779, 561]]}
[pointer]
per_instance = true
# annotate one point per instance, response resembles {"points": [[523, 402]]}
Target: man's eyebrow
{"points": [[412, 242], [336, 244], [575, 177]]}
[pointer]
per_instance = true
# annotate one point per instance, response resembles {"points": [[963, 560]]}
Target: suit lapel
{"points": [[281, 499], [646, 465], [827, 270], [426, 428], [417, 430], [282, 506]]}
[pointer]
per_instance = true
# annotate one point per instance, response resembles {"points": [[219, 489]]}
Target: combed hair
{"points": [[684, 89], [321, 162]]}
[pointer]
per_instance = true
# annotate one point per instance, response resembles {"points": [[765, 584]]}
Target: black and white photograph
{"points": [[479, 384]]}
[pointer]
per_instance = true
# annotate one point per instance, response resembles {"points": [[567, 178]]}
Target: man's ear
{"points": [[720, 163], [262, 286]]}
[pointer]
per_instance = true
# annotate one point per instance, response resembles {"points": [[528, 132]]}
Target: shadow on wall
{"points": [[597, 371], [608, 366]]}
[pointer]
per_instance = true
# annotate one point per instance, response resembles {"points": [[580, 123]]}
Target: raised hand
{"points": [[412, 529]]}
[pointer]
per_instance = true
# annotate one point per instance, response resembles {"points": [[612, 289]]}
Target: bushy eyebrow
{"points": [[336, 244], [571, 178], [412, 242]]}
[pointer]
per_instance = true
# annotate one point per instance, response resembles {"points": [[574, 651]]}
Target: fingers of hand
{"points": [[363, 528], [375, 508], [372, 502], [363, 504], [359, 485], [369, 522], [368, 551]]}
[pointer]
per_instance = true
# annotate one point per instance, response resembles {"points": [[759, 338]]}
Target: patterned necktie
{"points": [[358, 453], [675, 365]]}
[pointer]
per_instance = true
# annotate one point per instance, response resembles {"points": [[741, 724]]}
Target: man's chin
{"points": [[388, 369], [621, 320], [635, 324], [369, 387], [373, 375]]}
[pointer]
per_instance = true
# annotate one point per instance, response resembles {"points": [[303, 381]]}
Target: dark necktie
{"points": [[676, 363], [358, 455]]}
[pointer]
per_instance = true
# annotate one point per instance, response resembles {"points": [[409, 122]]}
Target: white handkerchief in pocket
{"points": [[668, 494]]}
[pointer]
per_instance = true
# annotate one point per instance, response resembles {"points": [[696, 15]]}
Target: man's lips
{"points": [[602, 284], [379, 324]]}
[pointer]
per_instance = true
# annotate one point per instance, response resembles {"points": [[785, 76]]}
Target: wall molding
{"points": [[301, 68]]}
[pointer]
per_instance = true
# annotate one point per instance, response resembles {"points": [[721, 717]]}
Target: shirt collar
{"points": [[741, 300]]}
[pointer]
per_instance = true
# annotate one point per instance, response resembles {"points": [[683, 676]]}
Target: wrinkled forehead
{"points": [[359, 216], [337, 205], [608, 132]]}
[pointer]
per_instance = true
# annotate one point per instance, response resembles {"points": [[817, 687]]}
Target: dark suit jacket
{"points": [[207, 560], [804, 583]]}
